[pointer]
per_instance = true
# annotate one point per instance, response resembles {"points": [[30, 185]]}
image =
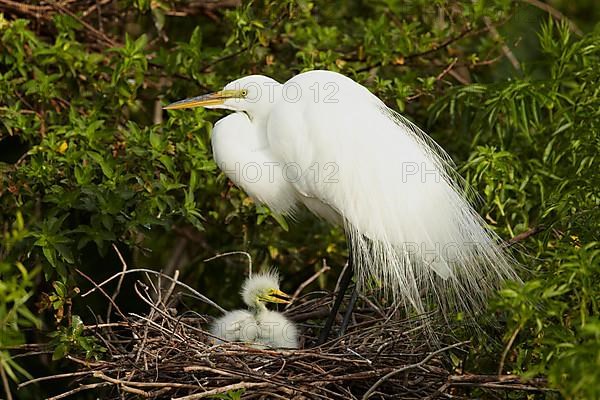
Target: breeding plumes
{"points": [[258, 325], [325, 141]]}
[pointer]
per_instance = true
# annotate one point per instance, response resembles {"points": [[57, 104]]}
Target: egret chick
{"points": [[259, 325]]}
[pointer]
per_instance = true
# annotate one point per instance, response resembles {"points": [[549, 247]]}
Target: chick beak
{"points": [[277, 296]]}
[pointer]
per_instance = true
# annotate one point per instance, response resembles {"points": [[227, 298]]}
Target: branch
{"points": [[507, 382], [507, 349], [522, 236], [411, 366], [78, 389], [102, 376], [100, 35], [213, 392], [555, 13], [505, 49], [35, 11], [310, 280], [118, 289], [465, 32], [52, 377], [195, 292]]}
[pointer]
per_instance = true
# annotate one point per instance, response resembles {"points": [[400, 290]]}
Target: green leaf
{"points": [[60, 352]]}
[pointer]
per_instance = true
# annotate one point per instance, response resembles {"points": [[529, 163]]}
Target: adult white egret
{"points": [[325, 141], [258, 325]]}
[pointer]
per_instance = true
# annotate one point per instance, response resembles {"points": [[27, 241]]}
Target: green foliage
{"points": [[230, 395], [536, 162], [576, 369], [71, 338], [16, 289], [93, 161]]}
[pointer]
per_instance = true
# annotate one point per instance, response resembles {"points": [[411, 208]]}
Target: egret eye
{"points": [[244, 93]]}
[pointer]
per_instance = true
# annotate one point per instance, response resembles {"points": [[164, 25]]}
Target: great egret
{"points": [[259, 325], [323, 140]]}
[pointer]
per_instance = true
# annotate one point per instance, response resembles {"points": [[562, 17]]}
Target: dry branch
{"points": [[94, 15]]}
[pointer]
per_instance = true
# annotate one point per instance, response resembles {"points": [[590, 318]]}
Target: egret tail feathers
{"points": [[430, 246], [457, 280]]}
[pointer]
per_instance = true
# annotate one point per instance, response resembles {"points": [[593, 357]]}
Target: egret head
{"points": [[253, 94], [263, 288]]}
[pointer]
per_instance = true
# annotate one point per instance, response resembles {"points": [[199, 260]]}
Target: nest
{"points": [[168, 353]]}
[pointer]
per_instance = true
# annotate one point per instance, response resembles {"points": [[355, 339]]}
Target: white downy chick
{"points": [[258, 325]]}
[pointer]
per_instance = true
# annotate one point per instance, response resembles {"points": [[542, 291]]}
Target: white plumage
{"points": [[325, 141], [245, 158], [258, 326]]}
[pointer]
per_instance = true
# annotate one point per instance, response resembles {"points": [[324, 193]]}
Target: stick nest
{"points": [[168, 353]]}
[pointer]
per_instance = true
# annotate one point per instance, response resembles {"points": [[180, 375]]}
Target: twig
{"points": [[78, 389], [505, 49], [87, 363], [407, 367], [155, 325], [339, 279], [139, 392], [35, 11], [505, 386], [318, 313], [235, 386], [464, 33], [205, 67], [231, 253], [195, 292], [511, 378], [555, 13], [119, 283], [103, 292], [95, 6], [100, 35], [310, 280], [107, 378], [107, 325], [195, 368], [446, 70], [507, 349], [169, 292], [522, 236], [52, 377], [149, 319]]}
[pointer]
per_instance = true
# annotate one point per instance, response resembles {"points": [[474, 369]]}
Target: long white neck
{"points": [[260, 127], [241, 150]]}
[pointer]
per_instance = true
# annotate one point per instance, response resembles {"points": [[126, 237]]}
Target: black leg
{"points": [[344, 283], [348, 312]]}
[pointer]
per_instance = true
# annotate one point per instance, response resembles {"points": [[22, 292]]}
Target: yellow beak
{"points": [[211, 99], [277, 296]]}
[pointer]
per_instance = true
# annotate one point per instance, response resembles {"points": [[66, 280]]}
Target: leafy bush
{"points": [[88, 159], [548, 123]]}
